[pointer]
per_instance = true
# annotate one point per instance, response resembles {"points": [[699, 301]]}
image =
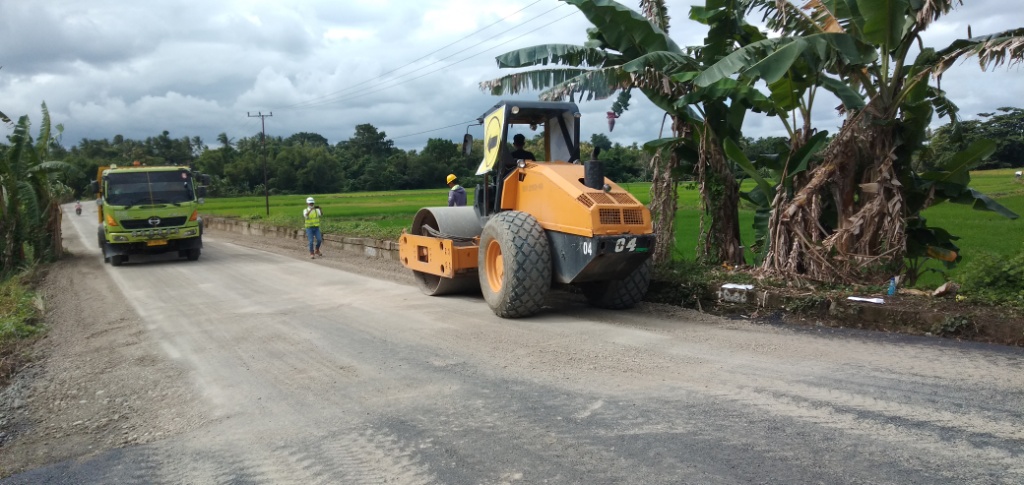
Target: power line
{"points": [[366, 93], [412, 61], [315, 100], [452, 64], [433, 130]]}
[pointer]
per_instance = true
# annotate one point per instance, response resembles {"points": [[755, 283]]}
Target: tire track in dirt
{"points": [[801, 390]]}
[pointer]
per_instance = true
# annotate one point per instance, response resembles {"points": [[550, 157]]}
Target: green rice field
{"points": [[383, 215]]}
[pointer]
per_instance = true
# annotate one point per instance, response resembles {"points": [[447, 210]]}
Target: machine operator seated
{"points": [[520, 153]]}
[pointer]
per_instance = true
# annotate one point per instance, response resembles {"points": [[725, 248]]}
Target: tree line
{"points": [[307, 163]]}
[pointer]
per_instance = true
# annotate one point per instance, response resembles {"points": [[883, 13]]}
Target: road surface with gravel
{"points": [[256, 364]]}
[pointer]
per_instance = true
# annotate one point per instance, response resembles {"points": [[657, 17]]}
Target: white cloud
{"points": [[108, 67]]}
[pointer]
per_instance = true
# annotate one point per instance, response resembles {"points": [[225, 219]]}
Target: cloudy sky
{"points": [[410, 68]]}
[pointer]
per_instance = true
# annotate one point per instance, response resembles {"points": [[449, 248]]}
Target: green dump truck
{"points": [[149, 210]]}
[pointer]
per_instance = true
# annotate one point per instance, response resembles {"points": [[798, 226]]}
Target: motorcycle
{"points": [[78, 210]]}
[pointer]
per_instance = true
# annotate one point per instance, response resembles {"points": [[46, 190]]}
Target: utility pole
{"points": [[263, 139]]}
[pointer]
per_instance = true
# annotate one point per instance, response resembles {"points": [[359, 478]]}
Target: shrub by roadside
{"points": [[20, 322], [682, 283], [993, 316], [994, 279]]}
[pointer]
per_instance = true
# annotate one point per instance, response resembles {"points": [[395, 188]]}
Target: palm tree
{"points": [[847, 220]]}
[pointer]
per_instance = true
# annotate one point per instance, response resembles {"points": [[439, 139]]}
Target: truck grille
{"points": [[633, 217], [624, 199], [610, 216], [630, 217], [144, 223], [590, 198], [583, 199]]}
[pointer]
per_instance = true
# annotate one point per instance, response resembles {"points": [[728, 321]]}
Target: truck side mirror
{"points": [[201, 191], [206, 179], [467, 145], [94, 187]]}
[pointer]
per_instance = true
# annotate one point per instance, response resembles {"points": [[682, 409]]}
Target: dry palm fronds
{"points": [[869, 237], [656, 12]]}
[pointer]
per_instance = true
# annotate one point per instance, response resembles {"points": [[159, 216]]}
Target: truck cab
{"points": [[149, 210]]}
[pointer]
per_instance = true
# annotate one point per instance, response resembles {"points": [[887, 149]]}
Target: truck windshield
{"points": [[145, 188]]}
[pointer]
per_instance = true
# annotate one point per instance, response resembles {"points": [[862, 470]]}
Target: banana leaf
{"points": [[623, 29]]}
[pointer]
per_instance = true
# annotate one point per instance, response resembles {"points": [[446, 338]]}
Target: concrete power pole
{"points": [[263, 139]]}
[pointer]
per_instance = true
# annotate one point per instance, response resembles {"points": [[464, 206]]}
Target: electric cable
{"points": [[314, 100], [383, 88], [433, 130]]}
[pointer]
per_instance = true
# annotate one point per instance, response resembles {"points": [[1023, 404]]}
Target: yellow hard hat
{"points": [[451, 177]]}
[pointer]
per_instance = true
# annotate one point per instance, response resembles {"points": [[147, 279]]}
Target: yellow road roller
{"points": [[535, 223]]}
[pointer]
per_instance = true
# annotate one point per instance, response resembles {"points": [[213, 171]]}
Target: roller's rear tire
{"points": [[620, 294], [514, 264]]}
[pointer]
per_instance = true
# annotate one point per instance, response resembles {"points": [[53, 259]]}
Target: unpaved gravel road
{"points": [[256, 365]]}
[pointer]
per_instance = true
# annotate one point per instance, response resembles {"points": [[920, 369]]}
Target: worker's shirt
{"points": [[312, 217], [457, 196], [522, 154]]}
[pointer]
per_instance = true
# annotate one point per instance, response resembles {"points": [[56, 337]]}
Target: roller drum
{"points": [[451, 222]]}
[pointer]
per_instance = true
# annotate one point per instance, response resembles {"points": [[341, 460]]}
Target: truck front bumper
{"points": [[151, 246]]}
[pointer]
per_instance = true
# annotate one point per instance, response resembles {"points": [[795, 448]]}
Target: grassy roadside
{"points": [[20, 322], [383, 215]]}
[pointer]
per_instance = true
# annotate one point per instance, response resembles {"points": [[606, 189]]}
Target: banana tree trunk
{"points": [[664, 200], [720, 195], [845, 222]]}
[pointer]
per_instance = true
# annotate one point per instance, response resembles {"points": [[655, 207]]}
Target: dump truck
{"points": [[149, 210], [534, 223]]}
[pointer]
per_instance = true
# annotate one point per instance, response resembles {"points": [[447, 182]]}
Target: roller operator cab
{"points": [[535, 223], [148, 210]]}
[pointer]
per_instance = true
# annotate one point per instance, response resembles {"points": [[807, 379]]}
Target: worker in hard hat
{"points": [[312, 216], [457, 194]]}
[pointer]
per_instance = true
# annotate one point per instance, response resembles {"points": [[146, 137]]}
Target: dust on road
{"points": [[256, 364]]}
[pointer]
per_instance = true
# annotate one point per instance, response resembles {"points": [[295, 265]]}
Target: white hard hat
{"points": [[309, 200]]}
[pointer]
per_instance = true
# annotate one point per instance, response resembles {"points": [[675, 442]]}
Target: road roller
{"points": [[534, 224]]}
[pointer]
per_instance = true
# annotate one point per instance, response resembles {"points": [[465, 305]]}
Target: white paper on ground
{"points": [[738, 286], [869, 300]]}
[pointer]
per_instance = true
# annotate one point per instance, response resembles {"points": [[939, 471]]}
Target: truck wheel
{"points": [[193, 254], [117, 260], [514, 264], [620, 294], [100, 237]]}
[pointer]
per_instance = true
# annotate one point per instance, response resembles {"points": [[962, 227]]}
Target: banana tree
{"points": [[847, 221], [629, 51], [29, 213], [786, 165]]}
